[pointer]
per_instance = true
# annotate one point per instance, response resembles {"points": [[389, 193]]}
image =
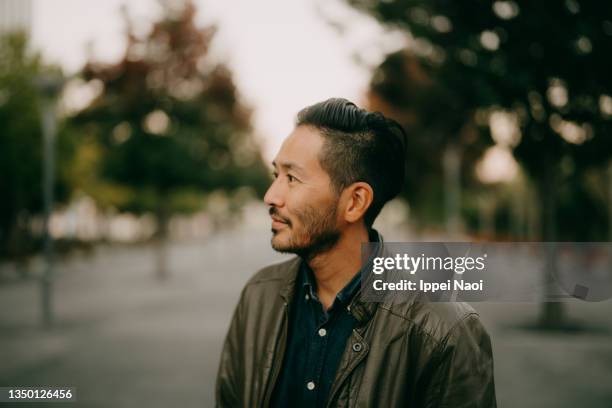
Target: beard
{"points": [[318, 232]]}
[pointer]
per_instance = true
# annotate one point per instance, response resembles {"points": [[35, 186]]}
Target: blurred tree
{"points": [[168, 124], [444, 142], [547, 61], [21, 146]]}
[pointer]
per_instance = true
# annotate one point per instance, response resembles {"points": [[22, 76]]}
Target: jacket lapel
{"points": [[276, 351]]}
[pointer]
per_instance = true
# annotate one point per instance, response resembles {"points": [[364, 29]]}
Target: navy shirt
{"points": [[315, 343]]}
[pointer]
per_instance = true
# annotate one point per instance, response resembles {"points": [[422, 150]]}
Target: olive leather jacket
{"points": [[415, 354]]}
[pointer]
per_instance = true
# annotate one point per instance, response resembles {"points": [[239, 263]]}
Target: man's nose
{"points": [[274, 195]]}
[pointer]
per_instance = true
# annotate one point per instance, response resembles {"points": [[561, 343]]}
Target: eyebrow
{"points": [[289, 166]]}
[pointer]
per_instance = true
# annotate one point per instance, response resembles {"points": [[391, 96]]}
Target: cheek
{"points": [[295, 215], [305, 206], [309, 216], [295, 202]]}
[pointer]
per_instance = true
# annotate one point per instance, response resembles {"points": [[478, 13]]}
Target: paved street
{"points": [[124, 339]]}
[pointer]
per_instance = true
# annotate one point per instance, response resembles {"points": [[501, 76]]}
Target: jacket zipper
{"points": [[278, 362]]}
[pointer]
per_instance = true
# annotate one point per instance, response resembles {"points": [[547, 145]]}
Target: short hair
{"points": [[359, 146]]}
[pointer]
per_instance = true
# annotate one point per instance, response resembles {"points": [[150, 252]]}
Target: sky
{"points": [[285, 54]]}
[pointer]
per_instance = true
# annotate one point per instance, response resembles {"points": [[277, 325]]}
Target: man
{"points": [[301, 334]]}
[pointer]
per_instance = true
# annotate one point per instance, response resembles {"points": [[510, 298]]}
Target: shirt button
{"points": [[322, 332], [310, 385], [307, 297]]}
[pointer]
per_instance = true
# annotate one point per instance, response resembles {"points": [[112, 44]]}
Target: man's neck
{"points": [[336, 267]]}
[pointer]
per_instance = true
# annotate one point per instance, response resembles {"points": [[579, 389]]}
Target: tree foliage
{"points": [[168, 124], [21, 144], [437, 117], [545, 61]]}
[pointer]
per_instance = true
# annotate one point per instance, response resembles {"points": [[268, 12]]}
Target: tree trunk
{"points": [[161, 240], [486, 217], [610, 201], [451, 162], [552, 315], [519, 200]]}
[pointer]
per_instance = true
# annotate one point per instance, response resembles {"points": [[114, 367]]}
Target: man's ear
{"points": [[358, 198]]}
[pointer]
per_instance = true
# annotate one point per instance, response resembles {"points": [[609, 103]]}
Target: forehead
{"points": [[301, 149]]}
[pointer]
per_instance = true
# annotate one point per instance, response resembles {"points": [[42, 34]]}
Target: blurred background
{"points": [[135, 139]]}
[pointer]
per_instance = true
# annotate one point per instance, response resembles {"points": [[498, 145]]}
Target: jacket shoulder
{"points": [[441, 321], [275, 272], [271, 280]]}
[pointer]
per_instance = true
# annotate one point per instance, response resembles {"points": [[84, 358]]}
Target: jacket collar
{"points": [[361, 310], [288, 287]]}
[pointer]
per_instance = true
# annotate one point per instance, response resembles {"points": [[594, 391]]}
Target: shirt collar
{"points": [[309, 283]]}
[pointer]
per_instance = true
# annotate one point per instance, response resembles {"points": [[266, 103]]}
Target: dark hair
{"points": [[359, 146]]}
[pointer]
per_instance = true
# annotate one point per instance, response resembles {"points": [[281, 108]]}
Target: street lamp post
{"points": [[49, 86]]}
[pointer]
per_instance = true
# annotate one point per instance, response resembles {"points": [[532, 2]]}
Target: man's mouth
{"points": [[277, 222]]}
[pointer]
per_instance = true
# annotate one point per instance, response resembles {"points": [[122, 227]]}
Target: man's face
{"points": [[302, 201]]}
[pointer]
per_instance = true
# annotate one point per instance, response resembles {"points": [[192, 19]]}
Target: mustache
{"points": [[274, 211]]}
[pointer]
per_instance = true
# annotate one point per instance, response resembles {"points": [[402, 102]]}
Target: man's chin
{"points": [[282, 245], [278, 245]]}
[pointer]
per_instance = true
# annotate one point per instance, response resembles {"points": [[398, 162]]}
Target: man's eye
{"points": [[274, 174], [290, 178]]}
